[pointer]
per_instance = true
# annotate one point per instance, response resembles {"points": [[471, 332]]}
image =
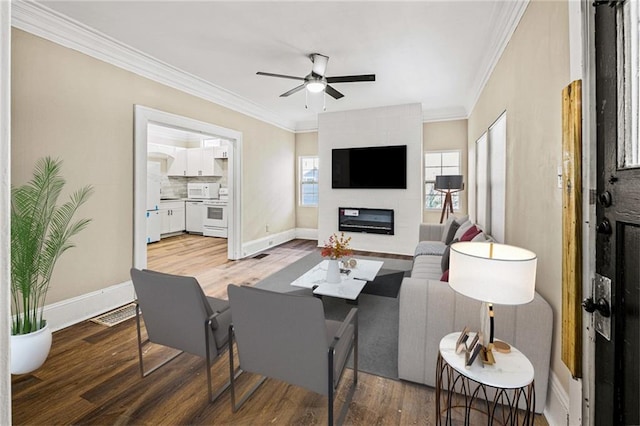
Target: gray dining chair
{"points": [[286, 337], [177, 314]]}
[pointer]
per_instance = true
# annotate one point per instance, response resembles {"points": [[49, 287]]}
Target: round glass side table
{"points": [[504, 391]]}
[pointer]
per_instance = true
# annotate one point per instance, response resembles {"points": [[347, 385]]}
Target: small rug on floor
{"points": [[377, 315]]}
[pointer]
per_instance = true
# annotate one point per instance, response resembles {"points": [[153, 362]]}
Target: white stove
{"points": [[215, 218]]}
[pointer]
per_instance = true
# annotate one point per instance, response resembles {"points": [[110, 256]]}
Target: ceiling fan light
{"points": [[316, 86]]}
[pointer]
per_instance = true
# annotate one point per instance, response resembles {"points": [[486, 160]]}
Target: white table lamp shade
{"points": [[493, 273]]}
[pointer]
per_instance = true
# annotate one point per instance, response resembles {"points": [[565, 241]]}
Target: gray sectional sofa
{"points": [[430, 309]]}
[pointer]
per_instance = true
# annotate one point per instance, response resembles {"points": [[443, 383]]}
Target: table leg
{"points": [[501, 409]]}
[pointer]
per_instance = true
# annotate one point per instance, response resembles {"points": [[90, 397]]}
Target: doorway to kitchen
{"points": [[204, 137]]}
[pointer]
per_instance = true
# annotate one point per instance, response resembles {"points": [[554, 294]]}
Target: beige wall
{"points": [[69, 105], [443, 136], [527, 83], [306, 145]]}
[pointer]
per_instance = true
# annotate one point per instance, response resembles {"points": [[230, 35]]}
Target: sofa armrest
{"points": [[426, 315], [431, 231]]}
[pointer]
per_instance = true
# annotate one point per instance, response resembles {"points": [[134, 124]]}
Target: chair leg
{"points": [[355, 351], [139, 340], [141, 343], [352, 390], [220, 391], [233, 375], [331, 388]]}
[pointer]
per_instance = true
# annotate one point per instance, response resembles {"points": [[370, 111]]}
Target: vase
{"points": [[333, 272], [29, 351]]}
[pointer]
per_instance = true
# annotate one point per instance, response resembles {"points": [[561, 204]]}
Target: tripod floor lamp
{"points": [[448, 184]]}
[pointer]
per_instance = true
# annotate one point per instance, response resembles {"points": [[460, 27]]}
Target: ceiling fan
{"points": [[316, 81]]}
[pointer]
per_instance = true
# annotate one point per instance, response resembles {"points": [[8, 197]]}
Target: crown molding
{"points": [[507, 20], [46, 23], [443, 114], [307, 126]]}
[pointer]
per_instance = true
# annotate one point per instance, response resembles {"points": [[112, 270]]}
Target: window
{"points": [[437, 163], [309, 181], [488, 181], [629, 85]]}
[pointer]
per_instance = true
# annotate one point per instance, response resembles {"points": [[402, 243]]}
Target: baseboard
{"points": [[307, 233], [72, 311], [557, 407], [252, 247], [68, 312]]}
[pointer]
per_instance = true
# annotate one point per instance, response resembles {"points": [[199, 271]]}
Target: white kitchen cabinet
{"points": [[172, 215], [202, 162], [177, 166], [194, 162], [221, 152]]}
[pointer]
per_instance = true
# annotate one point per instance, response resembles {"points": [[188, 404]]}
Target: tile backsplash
{"points": [[176, 186]]}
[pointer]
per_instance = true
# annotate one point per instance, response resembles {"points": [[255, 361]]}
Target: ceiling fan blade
{"points": [[292, 91], [351, 78], [333, 92], [319, 63], [268, 74]]}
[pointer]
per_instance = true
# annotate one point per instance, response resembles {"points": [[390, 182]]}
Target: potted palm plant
{"points": [[40, 232]]}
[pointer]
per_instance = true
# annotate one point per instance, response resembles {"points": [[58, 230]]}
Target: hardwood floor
{"points": [[92, 376]]}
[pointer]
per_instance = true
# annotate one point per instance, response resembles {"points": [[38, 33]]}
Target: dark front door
{"points": [[617, 391]]}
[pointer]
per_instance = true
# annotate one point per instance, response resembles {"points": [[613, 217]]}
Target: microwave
{"points": [[203, 190]]}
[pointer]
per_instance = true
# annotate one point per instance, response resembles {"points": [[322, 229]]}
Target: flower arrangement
{"points": [[337, 247]]}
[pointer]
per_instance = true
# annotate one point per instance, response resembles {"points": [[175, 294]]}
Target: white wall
{"points": [[395, 125]]}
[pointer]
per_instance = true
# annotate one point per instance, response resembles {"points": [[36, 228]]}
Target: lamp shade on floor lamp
{"points": [[448, 184]]}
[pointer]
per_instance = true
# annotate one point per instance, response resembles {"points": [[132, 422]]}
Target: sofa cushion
{"points": [[426, 267], [433, 248], [453, 228], [471, 232], [444, 260], [481, 237], [462, 229], [447, 224]]}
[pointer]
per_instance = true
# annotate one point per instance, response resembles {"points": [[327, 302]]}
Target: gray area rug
{"points": [[377, 315]]}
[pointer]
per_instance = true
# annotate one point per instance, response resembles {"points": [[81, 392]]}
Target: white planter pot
{"points": [[29, 351]]}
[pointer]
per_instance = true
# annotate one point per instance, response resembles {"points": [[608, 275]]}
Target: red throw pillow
{"points": [[445, 276], [471, 232]]}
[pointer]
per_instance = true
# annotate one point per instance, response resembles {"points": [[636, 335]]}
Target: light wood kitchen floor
{"points": [[92, 376]]}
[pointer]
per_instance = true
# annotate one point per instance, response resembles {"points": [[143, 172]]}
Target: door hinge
{"points": [[593, 196]]}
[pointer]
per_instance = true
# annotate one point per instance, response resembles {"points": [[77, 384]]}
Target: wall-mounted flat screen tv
{"points": [[373, 167]]}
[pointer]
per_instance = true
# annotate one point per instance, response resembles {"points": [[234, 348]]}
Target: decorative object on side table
{"points": [[349, 263], [40, 233], [448, 184], [335, 248], [492, 273]]}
